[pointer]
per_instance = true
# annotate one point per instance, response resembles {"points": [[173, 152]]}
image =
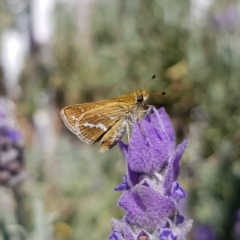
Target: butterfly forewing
{"points": [[91, 121], [71, 113]]}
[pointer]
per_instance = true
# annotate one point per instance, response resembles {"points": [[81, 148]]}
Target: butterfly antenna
{"points": [[149, 80], [158, 93]]}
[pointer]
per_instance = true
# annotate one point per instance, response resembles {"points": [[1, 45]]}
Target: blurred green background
{"points": [[57, 53]]}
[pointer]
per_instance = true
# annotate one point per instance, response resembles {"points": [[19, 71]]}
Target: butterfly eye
{"points": [[140, 98]]}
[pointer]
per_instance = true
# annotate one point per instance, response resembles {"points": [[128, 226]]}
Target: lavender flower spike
{"points": [[150, 188]]}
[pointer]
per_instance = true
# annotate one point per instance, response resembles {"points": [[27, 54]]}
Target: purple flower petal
{"points": [[2, 116], [132, 177], [174, 166], [123, 186], [228, 19], [149, 152], [124, 148], [166, 234], [116, 236], [15, 136], [145, 206], [179, 219], [162, 121], [177, 192], [178, 155]]}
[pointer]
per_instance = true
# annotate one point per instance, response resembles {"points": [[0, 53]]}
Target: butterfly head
{"points": [[141, 96]]}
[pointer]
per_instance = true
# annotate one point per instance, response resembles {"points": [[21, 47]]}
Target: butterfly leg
{"points": [[141, 127], [140, 122], [112, 136], [128, 132], [149, 111]]}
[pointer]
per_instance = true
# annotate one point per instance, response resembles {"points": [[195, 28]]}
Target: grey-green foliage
{"points": [[10, 229], [214, 56], [129, 41], [86, 179], [43, 222], [135, 39]]}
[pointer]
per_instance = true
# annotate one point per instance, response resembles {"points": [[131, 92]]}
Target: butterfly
{"points": [[105, 121]]}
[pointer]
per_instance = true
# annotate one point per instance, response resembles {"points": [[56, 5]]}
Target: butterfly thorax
{"points": [[139, 98]]}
